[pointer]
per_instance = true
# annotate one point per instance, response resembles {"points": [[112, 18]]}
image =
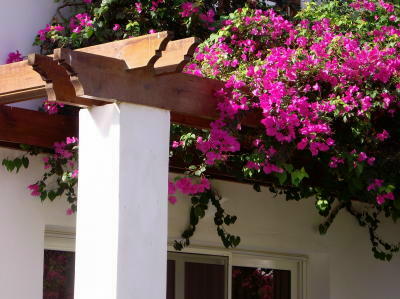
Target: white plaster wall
{"points": [[20, 20], [22, 224]]}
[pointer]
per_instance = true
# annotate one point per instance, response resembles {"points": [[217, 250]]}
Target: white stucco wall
{"points": [[341, 264], [22, 225], [20, 20]]}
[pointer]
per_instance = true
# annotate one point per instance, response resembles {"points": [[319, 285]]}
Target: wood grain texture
{"points": [[35, 128], [107, 79]]}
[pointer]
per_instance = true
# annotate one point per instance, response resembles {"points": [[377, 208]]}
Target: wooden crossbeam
{"points": [[22, 126], [139, 58], [75, 78]]}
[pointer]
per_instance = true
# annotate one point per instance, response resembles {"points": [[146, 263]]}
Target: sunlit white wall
{"points": [[20, 20]]}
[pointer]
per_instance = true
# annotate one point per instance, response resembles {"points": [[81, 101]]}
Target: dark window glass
{"points": [[260, 283], [171, 279], [58, 274], [204, 281]]}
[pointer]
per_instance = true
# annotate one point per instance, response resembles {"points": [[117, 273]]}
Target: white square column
{"points": [[121, 244]]}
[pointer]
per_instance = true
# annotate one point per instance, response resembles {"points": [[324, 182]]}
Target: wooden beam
{"points": [[19, 82], [177, 54], [22, 126], [100, 78]]}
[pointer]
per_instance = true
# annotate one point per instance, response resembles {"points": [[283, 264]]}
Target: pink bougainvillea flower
{"points": [[187, 186], [375, 184], [14, 57], [116, 27], [69, 212], [188, 9], [138, 7], [152, 31], [74, 174], [381, 198], [208, 17], [172, 199], [35, 189], [52, 107], [383, 135], [71, 140]]}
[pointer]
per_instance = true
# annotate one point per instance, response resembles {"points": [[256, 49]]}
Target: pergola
{"points": [[131, 90]]}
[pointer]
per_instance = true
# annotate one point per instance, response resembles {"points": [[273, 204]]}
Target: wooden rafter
{"points": [[22, 126], [143, 70]]}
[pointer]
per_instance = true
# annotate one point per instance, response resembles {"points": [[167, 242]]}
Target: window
{"points": [[196, 274], [58, 274]]}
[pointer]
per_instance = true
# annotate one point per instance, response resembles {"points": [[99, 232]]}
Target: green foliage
{"points": [[200, 204]]}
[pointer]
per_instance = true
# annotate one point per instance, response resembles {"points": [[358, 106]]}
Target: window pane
{"points": [[171, 279], [58, 275], [260, 283], [204, 281]]}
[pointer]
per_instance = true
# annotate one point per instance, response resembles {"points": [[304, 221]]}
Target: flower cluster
{"points": [[52, 107], [307, 82], [14, 57], [91, 22], [61, 174]]}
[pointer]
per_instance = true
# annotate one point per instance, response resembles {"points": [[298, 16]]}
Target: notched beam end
{"points": [[61, 82], [146, 50], [177, 54]]}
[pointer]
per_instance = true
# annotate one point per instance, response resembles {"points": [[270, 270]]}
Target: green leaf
{"points": [[397, 204], [257, 187], [281, 177], [18, 163], [199, 212], [43, 195], [25, 161], [298, 176], [288, 167], [52, 195]]}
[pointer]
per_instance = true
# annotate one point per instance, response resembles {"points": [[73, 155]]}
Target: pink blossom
{"points": [[377, 183], [188, 9], [362, 157], [383, 135], [69, 212], [35, 190], [116, 27], [152, 31], [74, 174], [71, 140], [208, 17], [176, 144], [269, 168], [371, 161], [52, 107], [138, 7], [172, 199], [14, 57], [381, 198], [186, 186], [335, 161]]}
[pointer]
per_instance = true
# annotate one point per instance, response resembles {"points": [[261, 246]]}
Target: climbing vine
{"points": [[309, 107]]}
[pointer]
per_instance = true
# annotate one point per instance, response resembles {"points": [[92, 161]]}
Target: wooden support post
{"points": [[121, 249]]}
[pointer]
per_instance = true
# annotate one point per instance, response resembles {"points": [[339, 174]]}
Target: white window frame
{"points": [[297, 264]]}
